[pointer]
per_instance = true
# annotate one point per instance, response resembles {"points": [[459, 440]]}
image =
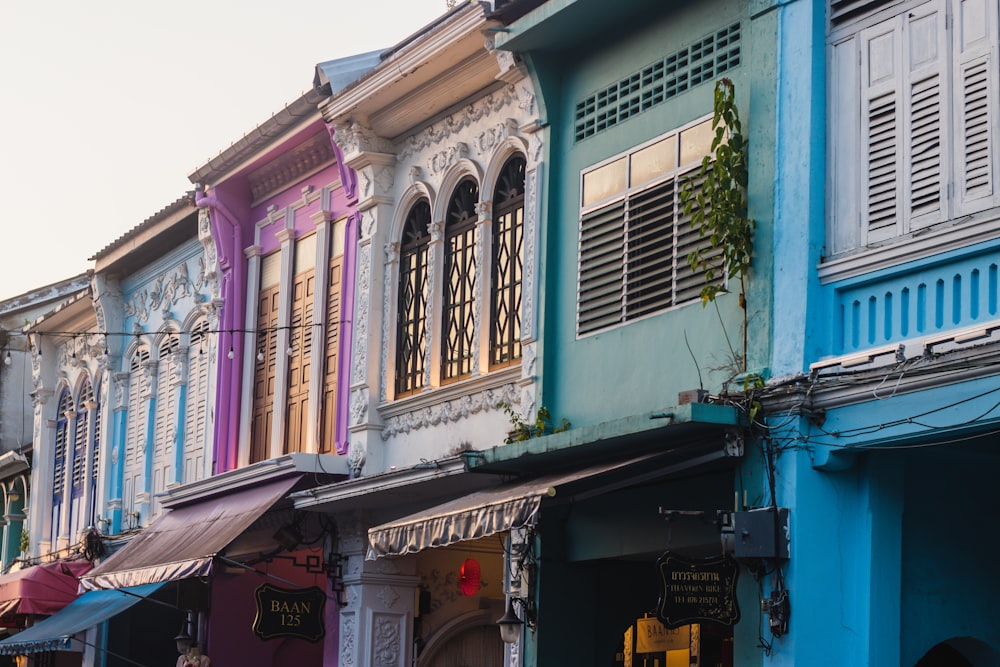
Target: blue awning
{"points": [[55, 632]]}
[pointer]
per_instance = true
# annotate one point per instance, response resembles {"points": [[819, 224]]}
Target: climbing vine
{"points": [[716, 201]]}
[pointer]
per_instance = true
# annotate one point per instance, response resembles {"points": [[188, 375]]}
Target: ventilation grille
{"points": [[682, 70]]}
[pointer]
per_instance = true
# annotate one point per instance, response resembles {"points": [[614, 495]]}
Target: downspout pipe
{"points": [[225, 448], [349, 181]]}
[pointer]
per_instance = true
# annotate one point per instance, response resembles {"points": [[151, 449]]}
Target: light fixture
{"points": [[260, 354], [231, 354], [289, 351], [184, 640], [6, 359], [510, 624], [469, 577]]}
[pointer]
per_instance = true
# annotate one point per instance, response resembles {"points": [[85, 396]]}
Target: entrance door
{"points": [[478, 646]]}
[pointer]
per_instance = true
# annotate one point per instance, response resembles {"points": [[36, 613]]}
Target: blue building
{"points": [[883, 420]]}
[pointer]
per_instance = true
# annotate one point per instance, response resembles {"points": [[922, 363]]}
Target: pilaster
{"points": [[376, 626]]}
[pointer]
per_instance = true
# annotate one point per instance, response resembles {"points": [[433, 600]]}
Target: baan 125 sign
{"points": [[289, 612]]}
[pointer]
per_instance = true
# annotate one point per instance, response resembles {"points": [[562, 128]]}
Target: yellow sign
{"points": [[652, 637]]}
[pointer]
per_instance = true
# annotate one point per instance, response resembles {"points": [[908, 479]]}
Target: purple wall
{"points": [[231, 641], [233, 219]]}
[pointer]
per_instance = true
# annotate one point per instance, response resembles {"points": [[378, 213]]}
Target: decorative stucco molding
{"points": [[386, 651], [452, 410], [440, 132], [362, 307], [388, 596], [348, 639], [291, 167], [528, 255]]}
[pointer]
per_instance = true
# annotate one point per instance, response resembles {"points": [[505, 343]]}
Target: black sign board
{"points": [[289, 612], [697, 590]]}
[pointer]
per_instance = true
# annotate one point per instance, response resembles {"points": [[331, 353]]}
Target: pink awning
{"points": [[183, 542], [40, 589]]}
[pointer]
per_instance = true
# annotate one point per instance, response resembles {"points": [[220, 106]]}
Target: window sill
{"points": [[951, 235]]}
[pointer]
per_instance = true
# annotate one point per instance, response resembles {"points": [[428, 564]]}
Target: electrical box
{"points": [[761, 533]]}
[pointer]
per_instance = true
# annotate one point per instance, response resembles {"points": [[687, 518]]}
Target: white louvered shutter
{"points": [[843, 148], [196, 405], [975, 73], [925, 116], [165, 426], [135, 433], [881, 131]]}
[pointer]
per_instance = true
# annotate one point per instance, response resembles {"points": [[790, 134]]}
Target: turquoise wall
{"points": [[639, 367]]}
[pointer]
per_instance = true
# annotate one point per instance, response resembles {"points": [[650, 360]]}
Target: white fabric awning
{"points": [[182, 542], [480, 514]]}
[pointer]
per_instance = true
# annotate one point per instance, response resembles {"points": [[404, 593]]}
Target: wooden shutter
{"points": [[264, 374], [328, 418], [975, 72], [300, 341]]}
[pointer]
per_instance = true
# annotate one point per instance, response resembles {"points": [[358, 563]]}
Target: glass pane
{"points": [[654, 161], [604, 182], [696, 142]]}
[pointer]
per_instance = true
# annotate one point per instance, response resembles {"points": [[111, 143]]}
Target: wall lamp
{"points": [[510, 623]]}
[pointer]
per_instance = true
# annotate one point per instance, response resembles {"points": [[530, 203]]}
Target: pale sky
{"points": [[107, 105]]}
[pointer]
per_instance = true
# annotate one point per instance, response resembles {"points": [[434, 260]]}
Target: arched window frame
{"points": [[411, 301], [458, 303], [507, 263]]}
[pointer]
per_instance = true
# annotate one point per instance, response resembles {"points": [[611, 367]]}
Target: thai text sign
{"points": [[697, 590], [288, 612]]}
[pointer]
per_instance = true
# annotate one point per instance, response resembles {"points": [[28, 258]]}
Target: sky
{"points": [[106, 106]]}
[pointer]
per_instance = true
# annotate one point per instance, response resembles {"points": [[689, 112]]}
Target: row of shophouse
{"points": [[424, 350]]}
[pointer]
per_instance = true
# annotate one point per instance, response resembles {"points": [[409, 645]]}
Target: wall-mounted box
{"points": [[762, 533]]}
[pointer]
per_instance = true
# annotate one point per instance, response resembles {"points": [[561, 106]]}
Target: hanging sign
{"points": [[697, 590], [652, 637], [289, 612]]}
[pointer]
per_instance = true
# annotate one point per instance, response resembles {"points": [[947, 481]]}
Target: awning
{"points": [[40, 589], [54, 633], [182, 542], [500, 509]]}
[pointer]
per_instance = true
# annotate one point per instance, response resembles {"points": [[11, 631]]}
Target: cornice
{"points": [[407, 70]]}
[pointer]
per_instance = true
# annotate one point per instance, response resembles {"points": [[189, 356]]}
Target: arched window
{"points": [[59, 452], [135, 431], [96, 467], [83, 403], [411, 308], [165, 419], [196, 404], [506, 260], [78, 464], [458, 308]]}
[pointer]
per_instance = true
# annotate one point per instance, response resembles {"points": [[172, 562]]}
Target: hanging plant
{"points": [[716, 201]]}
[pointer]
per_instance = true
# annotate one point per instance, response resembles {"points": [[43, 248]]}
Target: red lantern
{"points": [[468, 577]]}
